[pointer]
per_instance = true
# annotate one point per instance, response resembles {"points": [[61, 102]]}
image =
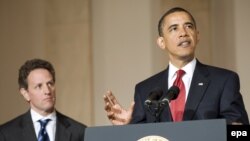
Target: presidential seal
{"points": [[153, 138]]}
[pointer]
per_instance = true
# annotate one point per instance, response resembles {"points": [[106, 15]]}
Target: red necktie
{"points": [[177, 105]]}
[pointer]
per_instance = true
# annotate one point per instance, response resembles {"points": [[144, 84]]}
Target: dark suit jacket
{"points": [[22, 129], [214, 93]]}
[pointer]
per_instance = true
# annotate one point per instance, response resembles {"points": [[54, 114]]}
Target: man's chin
{"points": [[49, 107]]}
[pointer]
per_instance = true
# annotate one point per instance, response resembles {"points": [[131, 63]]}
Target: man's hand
{"points": [[115, 113]]}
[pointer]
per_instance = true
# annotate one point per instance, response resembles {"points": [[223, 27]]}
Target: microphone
{"points": [[172, 94], [154, 95]]}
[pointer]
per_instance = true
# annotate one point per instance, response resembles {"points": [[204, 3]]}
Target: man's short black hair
{"points": [[172, 10], [31, 65]]}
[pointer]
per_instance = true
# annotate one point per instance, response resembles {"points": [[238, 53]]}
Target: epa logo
{"points": [[239, 134]]}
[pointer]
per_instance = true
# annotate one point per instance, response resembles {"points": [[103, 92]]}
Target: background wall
{"points": [[96, 45], [122, 49]]}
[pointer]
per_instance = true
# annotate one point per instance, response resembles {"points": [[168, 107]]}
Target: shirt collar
{"points": [[188, 68], [36, 116]]}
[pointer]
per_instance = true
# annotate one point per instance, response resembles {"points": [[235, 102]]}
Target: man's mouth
{"points": [[185, 43], [49, 99]]}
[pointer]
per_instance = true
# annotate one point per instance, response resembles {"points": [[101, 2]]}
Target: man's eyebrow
{"points": [[171, 26], [175, 25], [189, 23]]}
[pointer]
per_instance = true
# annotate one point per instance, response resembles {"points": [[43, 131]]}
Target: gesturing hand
{"points": [[115, 113]]}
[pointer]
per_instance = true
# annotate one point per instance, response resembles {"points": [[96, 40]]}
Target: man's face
{"points": [[180, 36], [41, 91]]}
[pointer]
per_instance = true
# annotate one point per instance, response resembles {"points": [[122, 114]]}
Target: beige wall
{"points": [[242, 47], [122, 49], [21, 37]]}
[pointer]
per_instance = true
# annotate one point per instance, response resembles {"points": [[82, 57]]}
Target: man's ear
{"points": [[161, 43], [25, 94]]}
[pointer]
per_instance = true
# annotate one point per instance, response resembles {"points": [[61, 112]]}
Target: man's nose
{"points": [[46, 89], [183, 32]]}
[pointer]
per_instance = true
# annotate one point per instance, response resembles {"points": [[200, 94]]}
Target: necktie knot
{"points": [[43, 123], [180, 73]]}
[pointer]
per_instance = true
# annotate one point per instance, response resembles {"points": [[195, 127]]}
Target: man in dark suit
{"points": [[209, 92], [37, 86]]}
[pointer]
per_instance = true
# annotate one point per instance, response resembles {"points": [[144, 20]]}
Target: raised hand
{"points": [[115, 112]]}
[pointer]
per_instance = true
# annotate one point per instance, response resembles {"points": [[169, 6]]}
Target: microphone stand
{"points": [[156, 108], [165, 103]]}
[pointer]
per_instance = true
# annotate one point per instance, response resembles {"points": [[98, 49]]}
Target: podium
{"points": [[196, 130]]}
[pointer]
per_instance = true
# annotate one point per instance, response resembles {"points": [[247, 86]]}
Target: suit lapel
{"points": [[197, 90], [164, 82], [62, 133], [28, 131]]}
